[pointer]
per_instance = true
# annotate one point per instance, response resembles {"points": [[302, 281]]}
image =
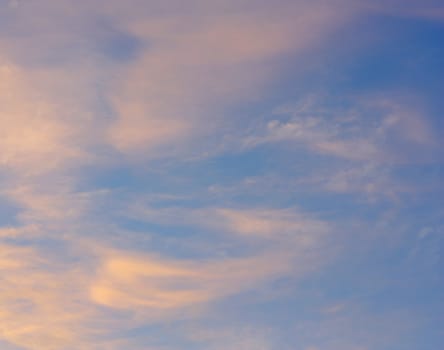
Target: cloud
{"points": [[156, 286], [273, 224], [194, 66], [370, 130], [33, 137], [53, 301], [73, 291], [372, 181], [88, 84], [150, 282], [264, 223], [23, 231], [146, 285], [187, 68], [40, 306]]}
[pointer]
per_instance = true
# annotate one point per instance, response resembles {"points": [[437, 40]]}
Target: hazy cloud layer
{"points": [[220, 175]]}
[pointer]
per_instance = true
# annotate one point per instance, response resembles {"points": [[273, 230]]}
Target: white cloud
{"points": [[370, 130]]}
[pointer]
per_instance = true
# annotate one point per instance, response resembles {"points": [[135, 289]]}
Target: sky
{"points": [[221, 175]]}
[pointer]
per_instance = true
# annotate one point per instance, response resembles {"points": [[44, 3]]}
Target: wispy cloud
{"points": [[212, 60], [370, 130], [109, 233]]}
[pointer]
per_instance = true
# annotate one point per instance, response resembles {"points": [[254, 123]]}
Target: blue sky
{"points": [[242, 175]]}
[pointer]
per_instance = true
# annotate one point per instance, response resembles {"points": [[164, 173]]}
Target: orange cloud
{"points": [[146, 285], [41, 308], [152, 285], [32, 138]]}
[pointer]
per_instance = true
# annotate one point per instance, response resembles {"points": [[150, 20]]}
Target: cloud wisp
{"points": [[153, 197]]}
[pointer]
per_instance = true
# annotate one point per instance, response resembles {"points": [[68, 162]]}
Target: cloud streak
{"points": [[137, 161]]}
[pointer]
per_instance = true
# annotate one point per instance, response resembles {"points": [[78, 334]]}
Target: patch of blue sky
{"points": [[115, 44], [8, 213]]}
